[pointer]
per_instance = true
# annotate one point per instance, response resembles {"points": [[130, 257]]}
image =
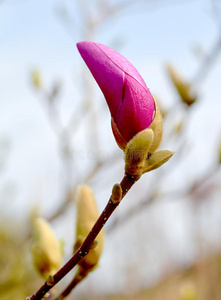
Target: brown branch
{"points": [[126, 183], [68, 199], [79, 276], [189, 192]]}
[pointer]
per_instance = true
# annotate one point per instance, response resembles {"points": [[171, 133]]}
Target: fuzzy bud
{"points": [[183, 88], [116, 193], [87, 215], [46, 251], [36, 79], [135, 116], [131, 104]]}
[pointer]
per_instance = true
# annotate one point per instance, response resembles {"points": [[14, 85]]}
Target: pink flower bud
{"points": [[131, 104]]}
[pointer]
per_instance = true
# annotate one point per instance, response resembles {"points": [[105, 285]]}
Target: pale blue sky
{"points": [[32, 35]]}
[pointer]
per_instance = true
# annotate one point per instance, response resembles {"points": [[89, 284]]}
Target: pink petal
{"points": [[122, 63], [129, 100], [108, 75], [137, 109]]}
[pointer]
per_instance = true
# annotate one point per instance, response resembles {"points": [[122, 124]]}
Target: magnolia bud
{"points": [[131, 104], [116, 195], [87, 215], [46, 252], [135, 117], [36, 79], [183, 88]]}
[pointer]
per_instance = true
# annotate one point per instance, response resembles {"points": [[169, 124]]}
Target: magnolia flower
{"points": [[131, 104], [136, 119]]}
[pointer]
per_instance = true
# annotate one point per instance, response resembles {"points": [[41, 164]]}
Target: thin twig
{"points": [[79, 276], [68, 196], [207, 63], [126, 183]]}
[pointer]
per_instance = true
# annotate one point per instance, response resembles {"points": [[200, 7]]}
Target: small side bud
{"points": [[93, 245], [183, 88], [50, 280], [157, 159], [116, 193], [46, 252], [136, 152], [87, 215], [36, 79]]}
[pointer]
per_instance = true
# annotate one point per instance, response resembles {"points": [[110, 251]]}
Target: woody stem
{"points": [[126, 183], [79, 276]]}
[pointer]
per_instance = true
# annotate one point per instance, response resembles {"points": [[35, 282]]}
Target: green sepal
{"points": [[157, 127], [137, 150], [157, 159]]}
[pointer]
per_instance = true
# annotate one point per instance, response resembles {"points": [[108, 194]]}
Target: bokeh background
{"points": [[163, 242]]}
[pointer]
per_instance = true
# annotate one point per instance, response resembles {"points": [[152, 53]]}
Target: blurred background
{"points": [[164, 240]]}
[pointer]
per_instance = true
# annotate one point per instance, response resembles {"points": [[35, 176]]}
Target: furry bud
{"points": [[87, 215], [46, 251]]}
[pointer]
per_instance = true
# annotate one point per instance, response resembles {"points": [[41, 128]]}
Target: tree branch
{"points": [[126, 183]]}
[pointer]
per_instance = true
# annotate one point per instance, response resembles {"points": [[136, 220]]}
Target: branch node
{"points": [[93, 245], [50, 280], [116, 193]]}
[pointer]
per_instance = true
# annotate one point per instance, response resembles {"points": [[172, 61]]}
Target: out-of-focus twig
{"points": [[191, 191], [126, 183], [207, 63], [70, 193]]}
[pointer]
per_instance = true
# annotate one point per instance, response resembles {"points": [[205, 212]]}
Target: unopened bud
{"points": [[87, 215], [46, 252], [36, 79], [183, 88], [131, 104], [116, 193], [50, 280], [93, 245]]}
